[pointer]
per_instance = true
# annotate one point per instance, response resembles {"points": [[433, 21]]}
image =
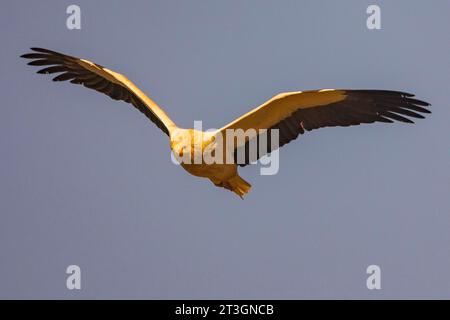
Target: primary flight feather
{"points": [[291, 113]]}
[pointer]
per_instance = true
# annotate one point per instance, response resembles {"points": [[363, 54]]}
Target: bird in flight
{"points": [[289, 114]]}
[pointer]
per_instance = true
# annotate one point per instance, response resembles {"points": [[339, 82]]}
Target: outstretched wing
{"points": [[101, 79], [293, 113]]}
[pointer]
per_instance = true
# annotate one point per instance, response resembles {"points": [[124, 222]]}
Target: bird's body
{"points": [[221, 174], [289, 114]]}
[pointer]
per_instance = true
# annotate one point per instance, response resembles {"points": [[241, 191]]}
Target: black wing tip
{"points": [[417, 101], [396, 106], [405, 96], [37, 50], [411, 98]]}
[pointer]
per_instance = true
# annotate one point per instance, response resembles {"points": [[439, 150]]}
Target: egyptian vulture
{"points": [[289, 114]]}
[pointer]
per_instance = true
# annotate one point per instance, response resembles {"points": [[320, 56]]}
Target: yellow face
{"points": [[188, 144], [178, 142]]}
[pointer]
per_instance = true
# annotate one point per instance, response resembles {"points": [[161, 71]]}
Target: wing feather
{"points": [[293, 113], [97, 77]]}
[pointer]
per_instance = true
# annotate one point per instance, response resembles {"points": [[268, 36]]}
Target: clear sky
{"points": [[87, 180]]}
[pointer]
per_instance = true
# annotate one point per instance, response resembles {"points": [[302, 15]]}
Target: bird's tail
{"points": [[238, 186]]}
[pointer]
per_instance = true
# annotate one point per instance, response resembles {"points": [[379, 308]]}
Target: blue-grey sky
{"points": [[87, 180]]}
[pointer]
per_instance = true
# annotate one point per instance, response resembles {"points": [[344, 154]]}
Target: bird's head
{"points": [[185, 142], [180, 143], [179, 137]]}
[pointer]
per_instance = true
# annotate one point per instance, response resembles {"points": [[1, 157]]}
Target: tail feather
{"points": [[238, 186]]}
